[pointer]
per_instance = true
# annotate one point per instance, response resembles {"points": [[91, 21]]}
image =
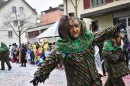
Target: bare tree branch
{"points": [[73, 4], [23, 22], [8, 23], [78, 2]]}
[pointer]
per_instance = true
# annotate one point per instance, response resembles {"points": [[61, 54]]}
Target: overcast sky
{"points": [[41, 5]]}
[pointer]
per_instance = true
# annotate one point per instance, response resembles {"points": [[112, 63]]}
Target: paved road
{"points": [[21, 76]]}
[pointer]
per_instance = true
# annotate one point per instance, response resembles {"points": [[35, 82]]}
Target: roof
{"points": [[6, 2], [41, 26], [30, 7]]}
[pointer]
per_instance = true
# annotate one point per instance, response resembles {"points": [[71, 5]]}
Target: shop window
{"points": [[118, 21]]}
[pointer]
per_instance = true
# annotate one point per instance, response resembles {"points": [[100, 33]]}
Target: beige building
{"points": [[103, 13], [12, 8]]}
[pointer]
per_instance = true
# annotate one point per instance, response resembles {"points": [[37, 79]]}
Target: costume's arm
{"points": [[101, 36], [46, 66], [113, 58]]}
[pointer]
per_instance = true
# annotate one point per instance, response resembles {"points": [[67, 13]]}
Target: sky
{"points": [[41, 5]]}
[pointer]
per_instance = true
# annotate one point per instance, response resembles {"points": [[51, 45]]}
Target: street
{"points": [[21, 76]]}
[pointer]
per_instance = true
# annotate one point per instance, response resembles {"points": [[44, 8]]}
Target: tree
{"points": [[75, 5], [18, 22]]}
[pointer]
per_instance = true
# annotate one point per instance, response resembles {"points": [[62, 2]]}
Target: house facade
{"points": [[8, 11], [103, 13], [47, 18]]}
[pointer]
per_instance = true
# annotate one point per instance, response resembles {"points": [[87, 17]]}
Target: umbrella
{"points": [[52, 31]]}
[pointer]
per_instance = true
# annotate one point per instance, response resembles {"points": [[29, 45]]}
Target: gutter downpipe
{"points": [[66, 7]]}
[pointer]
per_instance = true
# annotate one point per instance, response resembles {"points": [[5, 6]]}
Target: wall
{"points": [[81, 9], [104, 21]]}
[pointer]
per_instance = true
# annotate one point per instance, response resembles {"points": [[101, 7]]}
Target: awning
{"points": [[52, 31]]}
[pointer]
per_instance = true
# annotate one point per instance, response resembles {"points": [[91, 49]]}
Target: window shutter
{"points": [[86, 4], [108, 1]]}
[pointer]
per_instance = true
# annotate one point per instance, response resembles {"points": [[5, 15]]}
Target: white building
{"points": [[104, 13], [25, 15]]}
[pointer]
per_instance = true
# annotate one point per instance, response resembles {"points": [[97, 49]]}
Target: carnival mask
{"points": [[74, 28]]}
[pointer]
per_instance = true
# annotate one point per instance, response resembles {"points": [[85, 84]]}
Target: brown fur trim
{"points": [[63, 27]]}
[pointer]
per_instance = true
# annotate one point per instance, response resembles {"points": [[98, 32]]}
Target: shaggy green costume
{"points": [[4, 56], [116, 67], [78, 58]]}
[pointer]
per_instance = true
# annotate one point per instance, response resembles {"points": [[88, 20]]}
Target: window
{"points": [[15, 23], [10, 34], [21, 23], [21, 9], [94, 26], [118, 21], [33, 34], [97, 2], [43, 30], [14, 9], [129, 21], [91, 3], [26, 34]]}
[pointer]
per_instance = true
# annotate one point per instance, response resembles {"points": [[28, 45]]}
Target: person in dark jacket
{"points": [[42, 55], [23, 55], [126, 42], [4, 56], [32, 56]]}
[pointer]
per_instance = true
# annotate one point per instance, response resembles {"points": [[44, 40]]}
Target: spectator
{"points": [[47, 53], [32, 56], [126, 42], [4, 58], [23, 55], [42, 55]]}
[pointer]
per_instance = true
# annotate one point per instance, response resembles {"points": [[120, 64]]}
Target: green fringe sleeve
{"points": [[101, 36], [46, 66]]}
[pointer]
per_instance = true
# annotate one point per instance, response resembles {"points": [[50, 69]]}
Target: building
{"points": [[15, 16], [103, 13], [47, 18]]}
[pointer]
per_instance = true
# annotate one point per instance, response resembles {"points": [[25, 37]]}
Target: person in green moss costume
{"points": [[114, 60], [4, 56], [75, 48]]}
